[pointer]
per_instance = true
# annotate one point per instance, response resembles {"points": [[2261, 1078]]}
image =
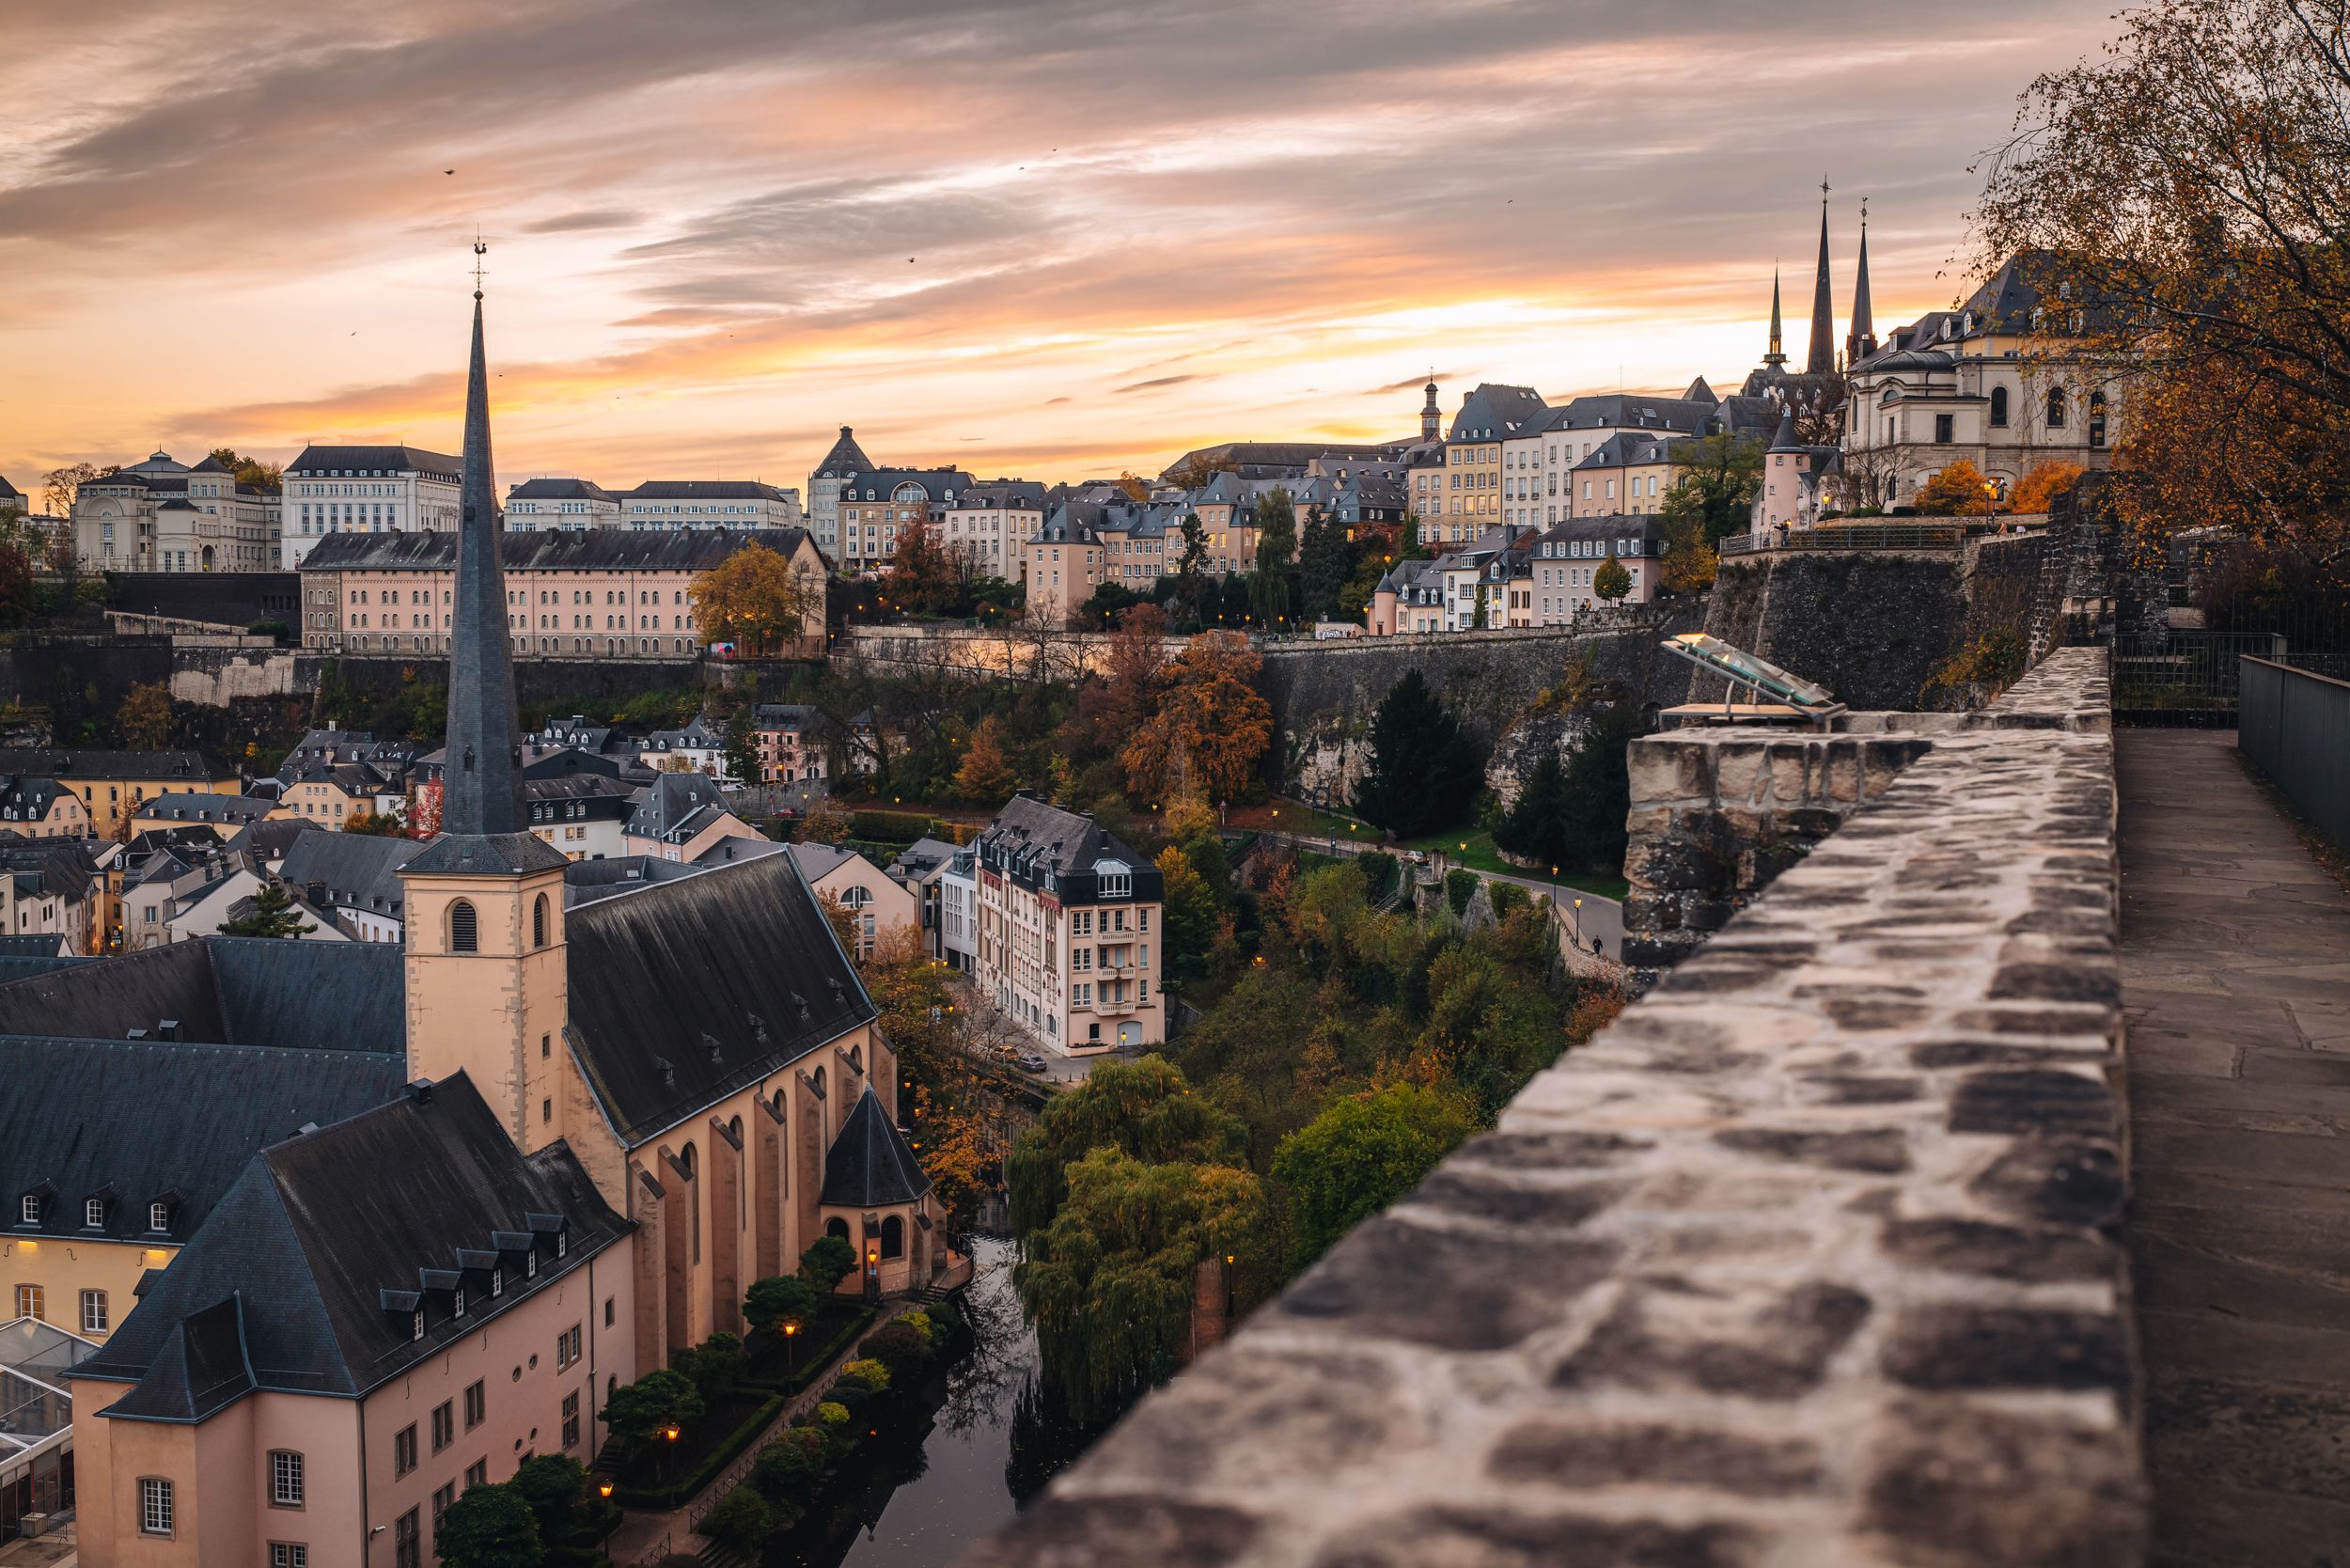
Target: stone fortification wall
{"points": [[1811, 1258]]}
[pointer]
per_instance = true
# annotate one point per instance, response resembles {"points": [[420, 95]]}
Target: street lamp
{"points": [[790, 1343], [611, 1519], [1228, 1287]]}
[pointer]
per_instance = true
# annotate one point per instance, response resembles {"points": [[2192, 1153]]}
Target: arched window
{"points": [[2056, 408], [836, 1226], [1998, 407], [856, 1058], [2096, 418], [538, 922], [464, 931], [686, 1161], [893, 1237], [817, 1078]]}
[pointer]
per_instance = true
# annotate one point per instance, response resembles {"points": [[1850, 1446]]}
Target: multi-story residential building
{"points": [[939, 875], [790, 737], [114, 786], [986, 523], [273, 1394], [727, 505], [41, 807], [1556, 575], [365, 489], [350, 881], [584, 815], [1226, 506], [560, 503], [13, 499], [1410, 598], [876, 902], [1490, 416], [679, 816], [1063, 562], [879, 505], [1626, 475], [161, 515], [824, 491], [605, 594], [1979, 383], [700, 747], [1068, 917]]}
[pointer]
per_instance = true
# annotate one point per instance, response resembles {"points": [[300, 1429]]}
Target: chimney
{"points": [[167, 1029], [420, 1091]]}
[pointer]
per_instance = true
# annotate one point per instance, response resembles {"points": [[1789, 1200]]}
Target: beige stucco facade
{"points": [[63, 1271]]}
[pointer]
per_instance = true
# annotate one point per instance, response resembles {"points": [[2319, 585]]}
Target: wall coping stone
{"points": [[1811, 1257]]}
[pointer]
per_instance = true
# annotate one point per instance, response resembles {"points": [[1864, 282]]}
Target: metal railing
{"points": [[2294, 725], [1852, 536]]}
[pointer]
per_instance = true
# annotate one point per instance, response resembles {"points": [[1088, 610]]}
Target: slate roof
{"points": [[50, 944], [1627, 447], [357, 871], [735, 847], [73, 762], [1031, 841], [204, 806], [226, 990], [1495, 411], [557, 489], [134, 1122], [315, 1261], [9, 495], [268, 841], [1017, 495], [819, 861], [676, 807], [487, 855], [372, 460], [1274, 460], [770, 985], [554, 550], [870, 1165], [845, 457], [703, 490], [585, 880], [28, 797], [1636, 409], [874, 484]]}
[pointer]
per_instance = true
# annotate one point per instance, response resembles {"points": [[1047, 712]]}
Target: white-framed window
{"points": [[416, 1325], [289, 1554], [155, 1506], [285, 1478], [93, 1211], [29, 1209], [94, 1314]]}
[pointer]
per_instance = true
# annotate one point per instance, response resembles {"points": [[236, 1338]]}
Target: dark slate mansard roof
{"points": [[138, 1122], [1030, 841], [228, 990], [388, 459], [346, 1256], [558, 549], [769, 985]]}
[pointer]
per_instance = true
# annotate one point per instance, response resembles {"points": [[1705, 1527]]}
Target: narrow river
{"points": [[985, 1451]]}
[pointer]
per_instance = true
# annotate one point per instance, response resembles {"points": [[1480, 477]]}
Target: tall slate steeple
{"points": [[1822, 361], [1860, 338], [481, 790], [1778, 348]]}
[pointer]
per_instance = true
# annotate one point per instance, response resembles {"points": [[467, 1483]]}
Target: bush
{"points": [[828, 1261], [1459, 888], [832, 1414], [898, 1346], [742, 1519], [889, 828], [869, 1371], [787, 1465], [1378, 873], [769, 1302], [713, 1365], [1508, 897], [852, 1396]]}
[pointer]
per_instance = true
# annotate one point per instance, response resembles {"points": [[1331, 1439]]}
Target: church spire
{"points": [[1779, 349], [1823, 352], [481, 772], [1861, 338]]}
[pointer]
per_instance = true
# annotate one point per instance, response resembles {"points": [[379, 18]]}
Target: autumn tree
{"points": [[1137, 489], [1144, 1109], [921, 573], [250, 471], [378, 825], [1691, 563], [60, 486], [2191, 192], [145, 717], [1188, 908], [2039, 489], [986, 774], [1957, 489], [1211, 725], [1714, 480], [753, 598], [1611, 582]]}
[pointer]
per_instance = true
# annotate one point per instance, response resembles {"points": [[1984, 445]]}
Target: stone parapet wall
{"points": [[1809, 1260]]}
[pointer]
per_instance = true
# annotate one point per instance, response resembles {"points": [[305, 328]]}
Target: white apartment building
{"points": [[1068, 915], [560, 503], [987, 523], [736, 504], [371, 490], [1556, 578], [162, 515], [1537, 485]]}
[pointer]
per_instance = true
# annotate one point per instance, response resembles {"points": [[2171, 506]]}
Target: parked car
{"points": [[1031, 1062]]}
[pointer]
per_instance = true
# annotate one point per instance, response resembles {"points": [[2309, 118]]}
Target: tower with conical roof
{"points": [[483, 950], [1778, 356], [1822, 358], [1860, 338], [824, 490], [1431, 417]]}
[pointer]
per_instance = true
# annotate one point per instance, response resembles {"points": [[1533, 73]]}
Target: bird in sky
{"points": [[448, 171]]}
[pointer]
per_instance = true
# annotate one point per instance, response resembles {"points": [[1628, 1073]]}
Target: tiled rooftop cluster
{"points": [[1809, 1259]]}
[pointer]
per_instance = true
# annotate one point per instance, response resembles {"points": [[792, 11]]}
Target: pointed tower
{"points": [[1822, 360], [1431, 417], [1861, 338], [1778, 356], [483, 919]]}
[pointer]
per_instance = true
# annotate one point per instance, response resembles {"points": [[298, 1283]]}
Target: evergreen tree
{"points": [[1325, 562], [741, 753], [1272, 596], [1596, 792], [1536, 825], [274, 915], [1425, 769]]}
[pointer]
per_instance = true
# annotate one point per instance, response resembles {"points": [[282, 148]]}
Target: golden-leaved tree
{"points": [[1957, 489], [753, 597], [1210, 728], [2194, 184]]}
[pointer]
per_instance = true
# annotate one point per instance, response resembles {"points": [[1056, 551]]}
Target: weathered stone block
{"points": [[1669, 767]]}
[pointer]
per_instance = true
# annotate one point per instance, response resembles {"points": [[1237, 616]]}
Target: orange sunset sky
{"points": [[1043, 239]]}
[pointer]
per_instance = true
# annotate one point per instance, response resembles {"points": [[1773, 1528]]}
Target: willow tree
{"points": [[2190, 191]]}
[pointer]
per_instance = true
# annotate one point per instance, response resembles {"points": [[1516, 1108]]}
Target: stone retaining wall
{"points": [[1809, 1259]]}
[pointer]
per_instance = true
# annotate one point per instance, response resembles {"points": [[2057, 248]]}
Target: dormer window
{"points": [[94, 1211], [563, 1242], [415, 1323], [159, 1216], [530, 1263], [497, 1281], [30, 1210], [457, 1302]]}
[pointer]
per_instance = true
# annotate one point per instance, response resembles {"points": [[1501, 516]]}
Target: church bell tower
{"points": [[486, 990]]}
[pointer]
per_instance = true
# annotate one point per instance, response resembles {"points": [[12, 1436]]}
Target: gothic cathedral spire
{"points": [[481, 772], [1861, 338], [1778, 348], [1822, 361]]}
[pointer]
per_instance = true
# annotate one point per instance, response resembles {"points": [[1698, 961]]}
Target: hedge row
{"points": [[677, 1494]]}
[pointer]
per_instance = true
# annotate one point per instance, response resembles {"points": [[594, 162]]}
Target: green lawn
{"points": [[1474, 848]]}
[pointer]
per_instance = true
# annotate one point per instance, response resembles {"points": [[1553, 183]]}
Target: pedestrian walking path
{"points": [[2235, 964]]}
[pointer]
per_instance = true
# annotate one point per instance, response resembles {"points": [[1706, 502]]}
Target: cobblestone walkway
{"points": [[2235, 964]]}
